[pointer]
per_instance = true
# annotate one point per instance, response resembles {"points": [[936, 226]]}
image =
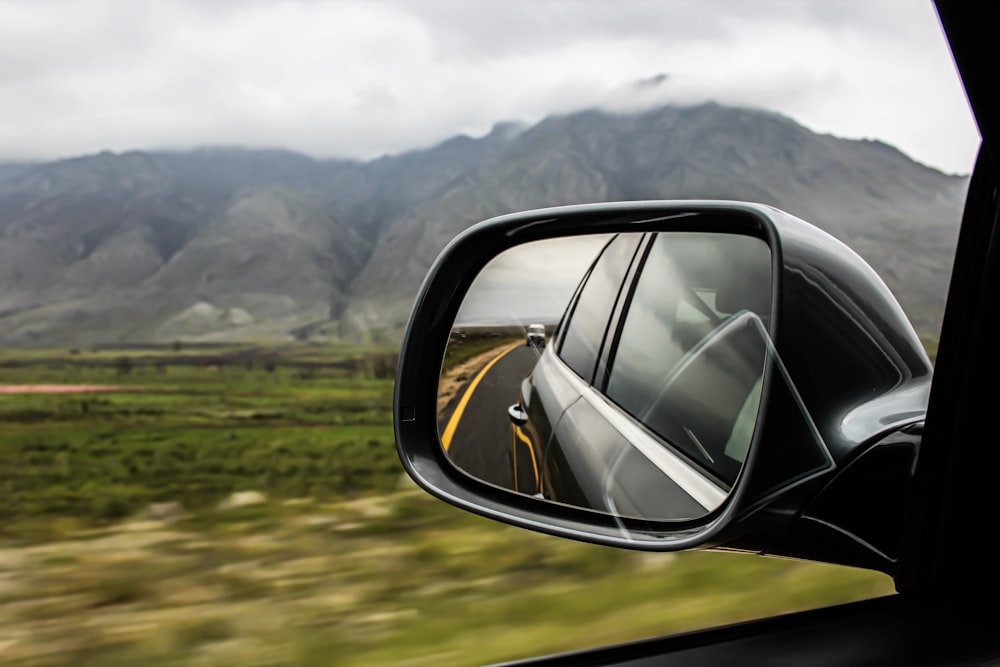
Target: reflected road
{"points": [[477, 432]]}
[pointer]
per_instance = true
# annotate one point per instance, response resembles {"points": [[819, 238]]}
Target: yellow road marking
{"points": [[449, 431], [531, 450], [513, 452]]}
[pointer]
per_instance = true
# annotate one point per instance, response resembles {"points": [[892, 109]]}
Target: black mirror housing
{"points": [[845, 372]]}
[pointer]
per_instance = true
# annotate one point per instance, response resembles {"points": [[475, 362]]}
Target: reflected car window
{"points": [[594, 305], [688, 362]]}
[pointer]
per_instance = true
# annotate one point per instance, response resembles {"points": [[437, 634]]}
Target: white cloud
{"points": [[364, 78]]}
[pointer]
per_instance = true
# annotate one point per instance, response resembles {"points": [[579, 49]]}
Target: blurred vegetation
{"points": [[192, 429], [246, 507]]}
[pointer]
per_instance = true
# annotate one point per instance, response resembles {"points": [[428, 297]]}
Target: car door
{"points": [[553, 386], [656, 435]]}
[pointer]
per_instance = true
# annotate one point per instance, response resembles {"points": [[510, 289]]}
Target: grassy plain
{"points": [[119, 543]]}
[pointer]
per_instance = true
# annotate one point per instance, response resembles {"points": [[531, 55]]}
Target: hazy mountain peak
{"points": [[506, 130], [651, 82]]}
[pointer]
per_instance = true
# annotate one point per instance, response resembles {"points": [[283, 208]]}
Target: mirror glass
{"points": [[618, 373]]}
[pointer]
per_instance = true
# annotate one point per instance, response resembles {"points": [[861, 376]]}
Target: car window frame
{"points": [[567, 320]]}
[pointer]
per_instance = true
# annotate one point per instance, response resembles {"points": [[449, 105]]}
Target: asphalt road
{"points": [[481, 440]]}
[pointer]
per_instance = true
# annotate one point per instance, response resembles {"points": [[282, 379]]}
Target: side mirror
{"points": [[663, 375]]}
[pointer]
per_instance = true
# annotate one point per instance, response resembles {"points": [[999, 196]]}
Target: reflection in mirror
{"points": [[615, 373]]}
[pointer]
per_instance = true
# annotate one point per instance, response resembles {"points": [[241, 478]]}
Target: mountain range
{"points": [[227, 244]]}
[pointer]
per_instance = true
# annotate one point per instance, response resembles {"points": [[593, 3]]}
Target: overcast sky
{"points": [[530, 283], [361, 79]]}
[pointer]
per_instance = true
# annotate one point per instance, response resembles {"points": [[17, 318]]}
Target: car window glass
{"points": [[585, 328], [699, 386], [688, 314]]}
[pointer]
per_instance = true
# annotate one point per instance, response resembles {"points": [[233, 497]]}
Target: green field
{"points": [[192, 428], [121, 543]]}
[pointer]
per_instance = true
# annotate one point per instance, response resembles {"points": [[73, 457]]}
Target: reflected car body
{"points": [[666, 405]]}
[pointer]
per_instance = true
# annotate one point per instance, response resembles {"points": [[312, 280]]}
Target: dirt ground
{"points": [[62, 388]]}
